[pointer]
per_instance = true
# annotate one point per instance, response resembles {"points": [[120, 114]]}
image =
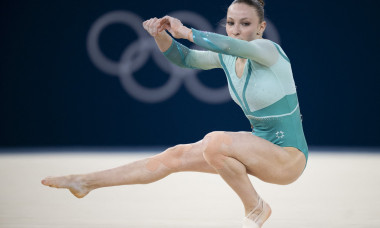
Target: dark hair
{"points": [[257, 4]]}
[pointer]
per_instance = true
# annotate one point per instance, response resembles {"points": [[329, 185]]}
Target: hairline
{"points": [[240, 19], [254, 7]]}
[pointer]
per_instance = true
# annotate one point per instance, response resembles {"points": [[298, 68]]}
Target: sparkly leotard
{"points": [[266, 91]]}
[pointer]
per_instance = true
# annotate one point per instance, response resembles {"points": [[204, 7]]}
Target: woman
{"points": [[260, 81]]}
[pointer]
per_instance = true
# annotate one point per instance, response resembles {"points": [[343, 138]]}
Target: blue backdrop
{"points": [[68, 68]]}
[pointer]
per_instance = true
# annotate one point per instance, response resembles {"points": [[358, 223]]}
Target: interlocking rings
{"points": [[138, 52]]}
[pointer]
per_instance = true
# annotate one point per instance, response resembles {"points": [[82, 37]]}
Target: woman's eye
{"points": [[230, 23], [246, 24]]}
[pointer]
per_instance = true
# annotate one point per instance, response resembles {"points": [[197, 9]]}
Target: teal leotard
{"points": [[266, 91]]}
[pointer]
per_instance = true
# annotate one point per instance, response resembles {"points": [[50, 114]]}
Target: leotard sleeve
{"points": [[182, 56], [260, 50]]}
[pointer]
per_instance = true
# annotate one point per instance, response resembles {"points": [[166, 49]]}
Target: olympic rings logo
{"points": [[138, 52]]}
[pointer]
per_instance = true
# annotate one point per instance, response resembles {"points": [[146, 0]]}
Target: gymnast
{"points": [[260, 81]]}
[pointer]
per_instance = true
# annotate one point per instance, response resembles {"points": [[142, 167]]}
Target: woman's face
{"points": [[243, 22]]}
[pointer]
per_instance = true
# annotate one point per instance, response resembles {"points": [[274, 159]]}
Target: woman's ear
{"points": [[263, 26]]}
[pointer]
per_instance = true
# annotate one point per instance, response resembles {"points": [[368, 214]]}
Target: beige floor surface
{"points": [[337, 190]]}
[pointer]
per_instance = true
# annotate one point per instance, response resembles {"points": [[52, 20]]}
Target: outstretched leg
{"points": [[232, 155], [188, 157]]}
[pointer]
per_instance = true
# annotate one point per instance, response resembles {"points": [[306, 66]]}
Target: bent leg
{"points": [[187, 157], [234, 155], [234, 172]]}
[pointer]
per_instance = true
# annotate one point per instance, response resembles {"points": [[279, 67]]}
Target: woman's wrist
{"points": [[189, 34], [163, 41], [161, 35]]}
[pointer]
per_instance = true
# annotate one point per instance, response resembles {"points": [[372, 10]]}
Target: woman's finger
{"points": [[159, 26], [149, 26], [167, 17], [144, 24], [154, 26], [164, 21]]}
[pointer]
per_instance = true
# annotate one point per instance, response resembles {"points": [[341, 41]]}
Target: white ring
{"points": [[103, 63], [127, 68]]}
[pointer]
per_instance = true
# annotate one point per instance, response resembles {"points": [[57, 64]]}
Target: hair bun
{"points": [[261, 2]]}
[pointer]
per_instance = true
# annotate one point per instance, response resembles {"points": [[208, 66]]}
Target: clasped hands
{"points": [[157, 26]]}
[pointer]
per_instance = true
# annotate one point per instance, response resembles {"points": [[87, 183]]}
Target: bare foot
{"points": [[73, 183], [257, 216]]}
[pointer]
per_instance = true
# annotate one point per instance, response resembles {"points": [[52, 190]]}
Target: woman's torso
{"points": [[268, 97]]}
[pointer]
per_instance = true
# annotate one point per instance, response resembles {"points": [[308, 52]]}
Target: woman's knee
{"points": [[170, 158], [216, 146]]}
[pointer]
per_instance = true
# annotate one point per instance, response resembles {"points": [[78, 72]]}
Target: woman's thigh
{"points": [[263, 159]]}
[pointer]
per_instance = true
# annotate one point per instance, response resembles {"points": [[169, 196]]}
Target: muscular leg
{"points": [[232, 155], [231, 170], [187, 157], [235, 155]]}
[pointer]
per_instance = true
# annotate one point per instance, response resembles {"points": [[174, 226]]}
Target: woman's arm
{"points": [[176, 52], [182, 56], [261, 51]]}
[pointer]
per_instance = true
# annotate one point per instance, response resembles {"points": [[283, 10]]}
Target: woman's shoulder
{"points": [[264, 43], [269, 44]]}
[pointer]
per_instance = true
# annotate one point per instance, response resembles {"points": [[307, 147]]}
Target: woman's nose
{"points": [[236, 30]]}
